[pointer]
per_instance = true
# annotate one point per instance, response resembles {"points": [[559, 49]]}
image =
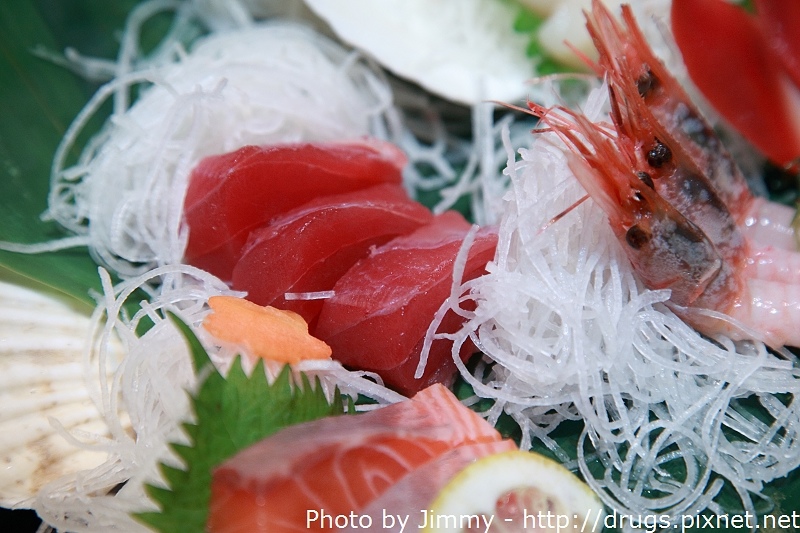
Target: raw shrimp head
{"points": [[666, 249]]}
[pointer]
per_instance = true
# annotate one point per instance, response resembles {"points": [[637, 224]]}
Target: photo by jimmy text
{"points": [[397, 522]]}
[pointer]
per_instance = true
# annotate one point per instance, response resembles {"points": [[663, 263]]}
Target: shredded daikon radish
{"points": [[143, 405], [248, 84], [146, 401], [276, 82], [316, 295], [569, 334]]}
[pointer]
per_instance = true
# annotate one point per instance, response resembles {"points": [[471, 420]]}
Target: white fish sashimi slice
{"points": [[465, 51], [45, 393]]}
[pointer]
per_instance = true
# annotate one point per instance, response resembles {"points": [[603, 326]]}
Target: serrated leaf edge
{"points": [[173, 476]]}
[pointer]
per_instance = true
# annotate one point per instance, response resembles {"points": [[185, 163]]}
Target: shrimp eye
{"points": [[637, 237], [659, 155], [645, 82], [646, 179]]}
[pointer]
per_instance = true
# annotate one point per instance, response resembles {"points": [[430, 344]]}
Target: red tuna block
{"points": [[229, 195], [309, 248], [383, 306]]}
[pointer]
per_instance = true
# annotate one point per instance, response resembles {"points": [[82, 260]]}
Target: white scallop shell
{"points": [[42, 378]]}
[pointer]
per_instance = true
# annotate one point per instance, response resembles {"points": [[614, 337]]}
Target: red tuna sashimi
{"points": [[780, 24], [231, 194], [730, 61], [309, 248], [383, 306], [338, 465]]}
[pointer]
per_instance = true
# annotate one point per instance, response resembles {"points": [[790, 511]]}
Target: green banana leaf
{"points": [[39, 100]]}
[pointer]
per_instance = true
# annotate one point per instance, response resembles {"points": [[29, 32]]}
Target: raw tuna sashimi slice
{"points": [[728, 59], [780, 24], [338, 465], [382, 307], [309, 248], [230, 194]]}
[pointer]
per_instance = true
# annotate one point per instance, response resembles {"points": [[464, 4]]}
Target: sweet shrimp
{"points": [[675, 198], [631, 67]]}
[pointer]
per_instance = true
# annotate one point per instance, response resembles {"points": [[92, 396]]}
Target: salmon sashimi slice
{"points": [[231, 194], [418, 489], [309, 248], [338, 465], [382, 307]]}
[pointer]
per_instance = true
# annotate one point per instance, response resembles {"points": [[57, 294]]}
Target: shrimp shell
{"points": [[634, 71], [675, 198]]}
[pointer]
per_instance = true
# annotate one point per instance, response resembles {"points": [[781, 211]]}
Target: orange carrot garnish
{"points": [[266, 332]]}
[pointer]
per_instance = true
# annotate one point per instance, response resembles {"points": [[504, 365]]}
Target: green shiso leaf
{"points": [[231, 413]]}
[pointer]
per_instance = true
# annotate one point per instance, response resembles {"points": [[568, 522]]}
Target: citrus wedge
{"points": [[515, 491]]}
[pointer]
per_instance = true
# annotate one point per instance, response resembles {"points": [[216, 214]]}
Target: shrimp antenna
{"points": [[514, 107], [584, 58], [562, 214]]}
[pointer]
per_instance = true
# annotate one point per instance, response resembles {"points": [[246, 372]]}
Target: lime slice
{"points": [[514, 491]]}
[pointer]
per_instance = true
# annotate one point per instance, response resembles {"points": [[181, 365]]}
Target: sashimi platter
{"points": [[400, 265]]}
